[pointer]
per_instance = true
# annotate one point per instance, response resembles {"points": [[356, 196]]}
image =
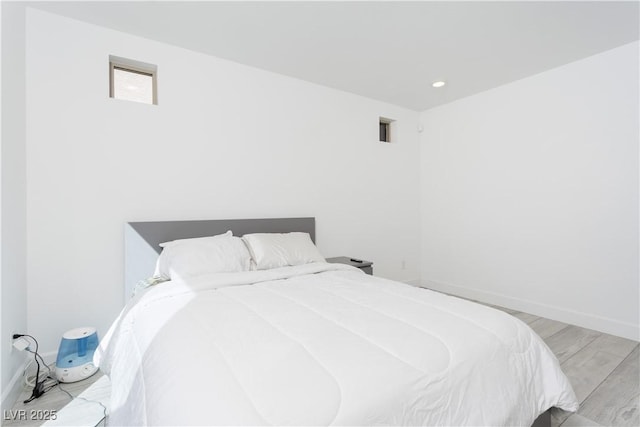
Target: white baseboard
{"points": [[586, 320], [11, 392], [413, 282]]}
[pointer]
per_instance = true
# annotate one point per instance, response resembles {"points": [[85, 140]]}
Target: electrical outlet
{"points": [[20, 344]]}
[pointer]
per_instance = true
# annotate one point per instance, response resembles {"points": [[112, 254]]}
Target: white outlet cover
{"points": [[20, 343]]}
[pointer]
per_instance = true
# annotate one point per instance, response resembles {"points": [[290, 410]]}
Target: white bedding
{"points": [[323, 344]]}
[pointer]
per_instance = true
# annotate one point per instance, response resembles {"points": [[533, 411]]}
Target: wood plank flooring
{"points": [[545, 327], [615, 401], [604, 371], [570, 340], [27, 414]]}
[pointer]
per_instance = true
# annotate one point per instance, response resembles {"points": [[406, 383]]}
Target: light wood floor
{"points": [[604, 371], [54, 400]]}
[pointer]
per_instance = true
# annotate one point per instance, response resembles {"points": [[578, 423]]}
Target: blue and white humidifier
{"points": [[75, 355]]}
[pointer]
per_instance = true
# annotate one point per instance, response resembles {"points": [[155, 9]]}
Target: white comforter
{"points": [[323, 344]]}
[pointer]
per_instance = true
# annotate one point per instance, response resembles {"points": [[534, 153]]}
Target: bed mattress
{"points": [[323, 344]]}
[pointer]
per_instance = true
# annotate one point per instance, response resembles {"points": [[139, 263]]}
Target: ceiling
{"points": [[390, 51]]}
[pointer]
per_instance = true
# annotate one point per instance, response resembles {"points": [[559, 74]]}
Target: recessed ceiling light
{"points": [[439, 83]]}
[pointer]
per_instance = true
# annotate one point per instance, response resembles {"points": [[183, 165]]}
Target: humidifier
{"points": [[75, 355]]}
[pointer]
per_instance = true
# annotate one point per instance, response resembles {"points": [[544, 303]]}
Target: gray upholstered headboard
{"points": [[142, 239]]}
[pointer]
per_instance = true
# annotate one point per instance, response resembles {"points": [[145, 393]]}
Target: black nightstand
{"points": [[366, 266]]}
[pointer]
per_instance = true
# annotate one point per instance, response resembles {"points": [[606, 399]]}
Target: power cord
{"points": [[38, 388], [104, 408], [30, 380], [54, 382]]}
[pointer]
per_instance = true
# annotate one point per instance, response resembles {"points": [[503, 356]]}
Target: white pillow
{"points": [[203, 255], [273, 250]]}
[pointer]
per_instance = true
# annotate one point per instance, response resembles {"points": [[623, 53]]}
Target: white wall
{"points": [[13, 287], [529, 194], [225, 141]]}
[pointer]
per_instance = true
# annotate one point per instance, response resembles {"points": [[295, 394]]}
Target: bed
{"points": [[315, 344]]}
